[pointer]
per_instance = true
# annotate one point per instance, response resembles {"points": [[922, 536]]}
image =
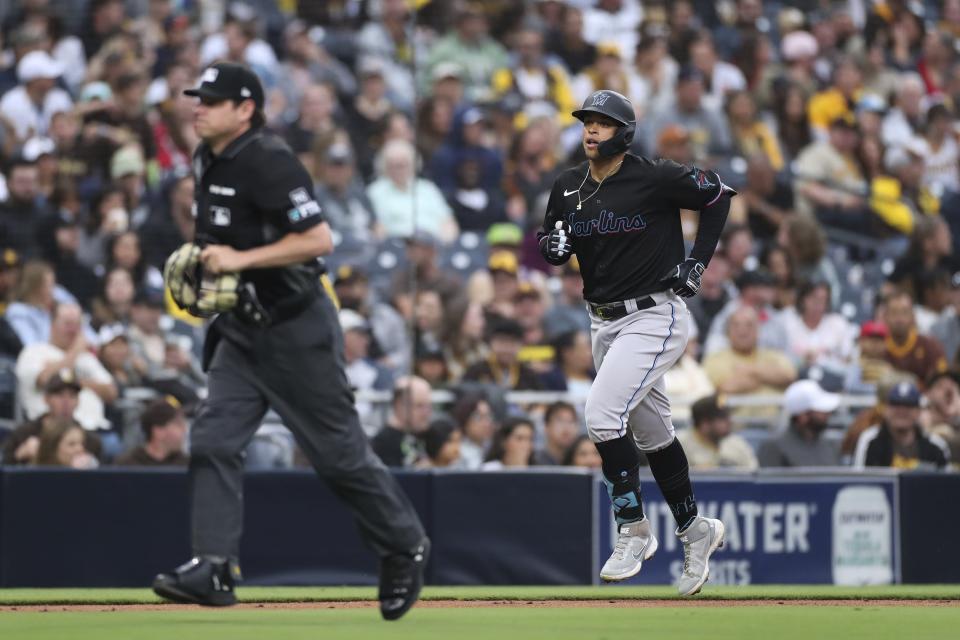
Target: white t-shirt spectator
{"points": [[24, 115], [896, 130], [619, 27], [941, 171], [832, 341], [34, 358], [725, 78]]}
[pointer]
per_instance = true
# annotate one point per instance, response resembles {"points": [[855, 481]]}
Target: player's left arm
{"points": [[284, 191], [700, 190]]}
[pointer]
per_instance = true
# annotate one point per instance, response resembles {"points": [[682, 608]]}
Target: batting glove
{"points": [[684, 278], [556, 246]]}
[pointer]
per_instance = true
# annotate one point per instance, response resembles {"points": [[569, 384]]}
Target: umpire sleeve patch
{"points": [[304, 206]]}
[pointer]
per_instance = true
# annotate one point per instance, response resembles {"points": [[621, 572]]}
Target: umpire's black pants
{"points": [[297, 368]]}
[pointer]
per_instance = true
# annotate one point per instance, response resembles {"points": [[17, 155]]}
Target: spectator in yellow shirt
{"points": [[750, 134], [837, 100], [745, 368], [535, 86]]}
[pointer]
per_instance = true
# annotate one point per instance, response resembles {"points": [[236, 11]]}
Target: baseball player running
{"points": [[620, 214]]}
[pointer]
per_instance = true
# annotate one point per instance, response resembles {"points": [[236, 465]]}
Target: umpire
{"points": [[279, 347]]}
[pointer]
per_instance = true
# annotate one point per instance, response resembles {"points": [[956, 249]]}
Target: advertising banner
{"points": [[801, 530]]}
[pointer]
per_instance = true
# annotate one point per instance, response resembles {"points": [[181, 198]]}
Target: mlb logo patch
{"points": [[220, 216]]}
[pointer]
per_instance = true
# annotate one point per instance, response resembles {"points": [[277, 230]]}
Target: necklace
{"points": [[600, 184]]}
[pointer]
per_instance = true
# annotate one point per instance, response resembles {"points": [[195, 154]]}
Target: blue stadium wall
{"points": [[120, 527]]}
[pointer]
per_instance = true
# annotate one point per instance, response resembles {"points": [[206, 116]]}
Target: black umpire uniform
{"points": [[281, 347]]}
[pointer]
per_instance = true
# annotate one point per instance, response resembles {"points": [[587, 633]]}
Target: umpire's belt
{"points": [[617, 310], [252, 312]]}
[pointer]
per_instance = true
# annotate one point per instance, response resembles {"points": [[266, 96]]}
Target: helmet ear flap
{"points": [[619, 143]]}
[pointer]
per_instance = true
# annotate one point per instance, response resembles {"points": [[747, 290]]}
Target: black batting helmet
{"points": [[616, 106]]}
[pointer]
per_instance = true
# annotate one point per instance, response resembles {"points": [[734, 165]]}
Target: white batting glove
{"points": [[558, 243]]}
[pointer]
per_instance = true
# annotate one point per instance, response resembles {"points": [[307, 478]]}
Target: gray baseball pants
{"points": [[631, 354]]}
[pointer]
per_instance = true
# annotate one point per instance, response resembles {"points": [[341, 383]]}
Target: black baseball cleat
{"points": [[401, 578], [200, 581]]}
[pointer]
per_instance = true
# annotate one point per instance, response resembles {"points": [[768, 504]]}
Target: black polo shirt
{"points": [[252, 194], [627, 234]]}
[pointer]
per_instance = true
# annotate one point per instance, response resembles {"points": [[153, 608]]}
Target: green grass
{"points": [[717, 623], [323, 594]]}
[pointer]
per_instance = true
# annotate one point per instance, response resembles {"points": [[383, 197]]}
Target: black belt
{"points": [[252, 312], [617, 310]]}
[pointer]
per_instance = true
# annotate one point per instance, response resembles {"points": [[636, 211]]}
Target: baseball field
{"points": [[471, 613]]}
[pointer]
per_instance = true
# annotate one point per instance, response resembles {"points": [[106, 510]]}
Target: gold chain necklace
{"points": [[600, 184]]}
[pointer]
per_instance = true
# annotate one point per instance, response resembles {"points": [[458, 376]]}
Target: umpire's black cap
{"points": [[229, 81], [608, 103]]}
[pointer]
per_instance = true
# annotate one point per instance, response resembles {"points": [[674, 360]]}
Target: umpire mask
{"points": [[617, 107]]}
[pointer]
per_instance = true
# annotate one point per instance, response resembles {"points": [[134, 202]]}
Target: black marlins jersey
{"points": [[627, 235], [252, 194]]}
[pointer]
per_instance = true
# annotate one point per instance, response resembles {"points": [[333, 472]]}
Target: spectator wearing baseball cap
{"points": [[388, 329], [61, 393], [504, 236], [503, 367], [899, 441], [345, 203], [164, 432], [504, 269], [447, 83], [808, 408], [30, 106], [829, 181], [871, 365], [531, 309], [673, 143], [363, 372], [710, 442]]}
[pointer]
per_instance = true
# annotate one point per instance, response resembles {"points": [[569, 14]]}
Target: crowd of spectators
{"points": [[433, 136]]}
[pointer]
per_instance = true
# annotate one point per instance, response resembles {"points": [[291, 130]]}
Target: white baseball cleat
{"points": [[635, 543], [700, 540]]}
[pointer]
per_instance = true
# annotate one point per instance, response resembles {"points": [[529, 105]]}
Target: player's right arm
{"points": [[554, 238]]}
